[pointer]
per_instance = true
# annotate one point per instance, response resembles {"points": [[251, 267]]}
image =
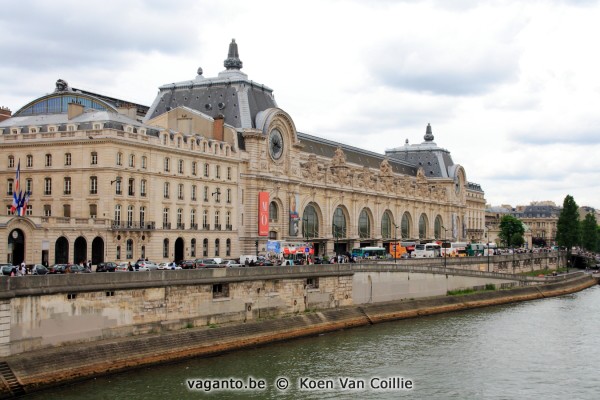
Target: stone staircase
{"points": [[10, 380]]}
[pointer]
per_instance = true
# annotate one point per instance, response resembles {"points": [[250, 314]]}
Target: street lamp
{"points": [[337, 237], [445, 244], [395, 241]]}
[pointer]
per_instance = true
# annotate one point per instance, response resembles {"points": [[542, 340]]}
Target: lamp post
{"points": [[445, 244], [337, 236], [395, 241]]}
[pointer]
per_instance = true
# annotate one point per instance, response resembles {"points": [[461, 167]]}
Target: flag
{"points": [[24, 206], [16, 194], [18, 178]]}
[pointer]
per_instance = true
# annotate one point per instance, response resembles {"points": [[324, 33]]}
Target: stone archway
{"points": [[80, 250], [61, 250], [16, 247], [178, 250], [97, 250]]}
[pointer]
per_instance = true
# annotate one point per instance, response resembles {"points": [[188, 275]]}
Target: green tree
{"points": [[509, 227], [589, 232], [517, 240], [567, 227]]}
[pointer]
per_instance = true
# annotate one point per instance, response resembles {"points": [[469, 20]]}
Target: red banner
{"points": [[263, 213]]}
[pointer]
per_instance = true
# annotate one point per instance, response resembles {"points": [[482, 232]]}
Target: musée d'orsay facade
{"points": [[115, 181]]}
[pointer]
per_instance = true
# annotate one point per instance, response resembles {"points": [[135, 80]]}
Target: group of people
{"points": [[20, 270]]}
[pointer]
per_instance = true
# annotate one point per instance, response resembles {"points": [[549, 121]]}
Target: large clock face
{"points": [[275, 144]]}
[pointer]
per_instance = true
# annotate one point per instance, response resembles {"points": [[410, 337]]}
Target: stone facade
{"points": [[115, 181]]}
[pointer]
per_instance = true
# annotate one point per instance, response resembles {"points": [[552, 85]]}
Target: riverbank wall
{"points": [[36, 370]]}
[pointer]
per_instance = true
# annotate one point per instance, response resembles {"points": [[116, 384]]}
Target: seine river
{"points": [[546, 349]]}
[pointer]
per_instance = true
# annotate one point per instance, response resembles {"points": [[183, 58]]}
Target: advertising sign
{"points": [[263, 213]]}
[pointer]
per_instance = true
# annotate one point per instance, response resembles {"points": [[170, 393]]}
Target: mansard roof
{"points": [[230, 94]]}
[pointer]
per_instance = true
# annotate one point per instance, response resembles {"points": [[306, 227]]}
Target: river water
{"points": [[542, 349]]}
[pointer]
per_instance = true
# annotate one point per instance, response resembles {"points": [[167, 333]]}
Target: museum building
{"points": [[213, 168]]}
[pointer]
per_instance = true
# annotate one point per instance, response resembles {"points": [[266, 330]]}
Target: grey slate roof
{"points": [[230, 94], [326, 148]]}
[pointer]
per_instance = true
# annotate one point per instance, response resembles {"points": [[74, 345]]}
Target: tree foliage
{"points": [[589, 233], [509, 227], [567, 227]]}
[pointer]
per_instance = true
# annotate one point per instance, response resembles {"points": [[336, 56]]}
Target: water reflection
{"points": [[539, 349]]}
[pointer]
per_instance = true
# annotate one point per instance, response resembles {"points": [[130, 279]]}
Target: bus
{"points": [[369, 252], [476, 249], [427, 250], [456, 249]]}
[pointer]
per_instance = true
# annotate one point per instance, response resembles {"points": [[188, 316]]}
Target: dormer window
{"points": [[33, 130], [14, 131], [71, 128], [129, 129], [97, 127], [52, 129]]}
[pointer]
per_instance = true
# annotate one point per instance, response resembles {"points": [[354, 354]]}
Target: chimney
{"points": [[5, 113], [218, 127], [74, 110]]}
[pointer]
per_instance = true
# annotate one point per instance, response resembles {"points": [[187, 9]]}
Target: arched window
{"points": [[310, 222], [437, 228], [193, 248], [405, 226], [129, 249], [364, 224], [166, 248], [386, 226], [142, 216], [129, 216], [423, 226], [273, 212], [338, 227]]}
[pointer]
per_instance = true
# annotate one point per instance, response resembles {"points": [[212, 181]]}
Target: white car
{"points": [[230, 263], [145, 266], [122, 267], [167, 266]]}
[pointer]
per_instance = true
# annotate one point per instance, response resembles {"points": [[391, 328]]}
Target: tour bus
{"points": [[427, 250], [397, 250], [369, 252], [476, 249], [456, 249]]}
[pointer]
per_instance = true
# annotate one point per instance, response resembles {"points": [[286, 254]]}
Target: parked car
{"points": [[230, 263], [57, 269], [145, 266], [169, 265], [263, 262], [122, 267], [206, 263], [79, 269], [39, 269], [6, 269], [106, 267], [187, 264]]}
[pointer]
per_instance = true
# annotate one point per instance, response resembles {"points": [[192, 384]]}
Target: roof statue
{"points": [[428, 134], [61, 86], [233, 58]]}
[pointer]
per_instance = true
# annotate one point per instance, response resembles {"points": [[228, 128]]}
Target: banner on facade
{"points": [[294, 215], [263, 213]]}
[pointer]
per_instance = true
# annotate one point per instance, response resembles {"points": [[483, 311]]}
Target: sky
{"points": [[510, 88]]}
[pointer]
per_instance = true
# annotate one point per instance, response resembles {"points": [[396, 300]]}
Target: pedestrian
{"points": [[129, 266]]}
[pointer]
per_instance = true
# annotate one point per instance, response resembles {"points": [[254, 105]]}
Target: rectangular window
{"points": [[206, 168], [228, 173], [67, 185], [167, 164], [94, 158], [193, 192], [143, 188], [131, 187], [68, 159], [218, 171], [29, 210], [194, 166], [144, 160], [47, 210], [180, 192], [180, 167], [220, 290], [9, 187], [166, 190], [47, 186], [93, 185]]}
